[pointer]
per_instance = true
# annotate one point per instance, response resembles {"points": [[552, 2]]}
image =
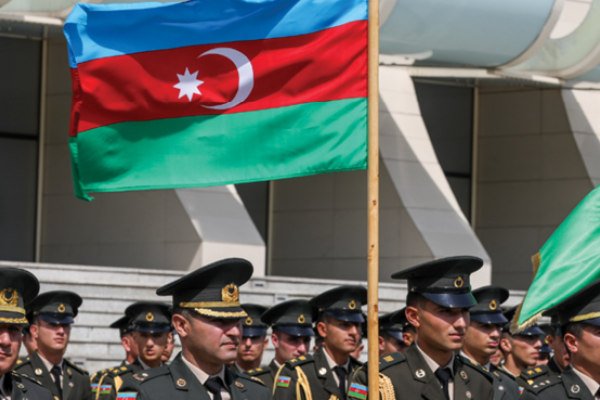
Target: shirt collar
{"points": [[240, 368], [144, 365], [486, 366], [49, 365], [433, 365], [201, 375], [332, 364], [591, 384], [276, 363]]}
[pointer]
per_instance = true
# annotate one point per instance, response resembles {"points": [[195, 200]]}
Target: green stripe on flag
{"points": [[277, 143]]}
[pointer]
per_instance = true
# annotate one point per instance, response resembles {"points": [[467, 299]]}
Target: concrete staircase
{"points": [[107, 291]]}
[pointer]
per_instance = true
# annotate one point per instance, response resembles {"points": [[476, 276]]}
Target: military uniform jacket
{"points": [[265, 374], [408, 377], [23, 387], [564, 387], [76, 381], [176, 382], [311, 376], [96, 377], [113, 379], [531, 375]]}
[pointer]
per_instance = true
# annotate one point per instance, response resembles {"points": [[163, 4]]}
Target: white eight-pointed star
{"points": [[188, 84]]}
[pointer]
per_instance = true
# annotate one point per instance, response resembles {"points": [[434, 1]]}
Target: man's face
{"points": [[342, 336], [10, 342], [166, 356], [130, 345], [288, 347], [497, 357], [482, 340], [525, 349], [251, 348], [557, 345], [585, 351], [212, 340], [151, 345], [51, 338], [441, 327], [389, 344]]}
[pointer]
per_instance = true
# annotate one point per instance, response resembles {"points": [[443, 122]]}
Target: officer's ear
{"points": [[33, 329], [505, 345], [412, 315], [571, 343], [322, 329], [181, 325], [381, 343]]}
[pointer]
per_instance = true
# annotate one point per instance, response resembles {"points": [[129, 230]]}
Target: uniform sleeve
{"points": [[133, 389], [106, 388], [285, 384], [359, 376]]}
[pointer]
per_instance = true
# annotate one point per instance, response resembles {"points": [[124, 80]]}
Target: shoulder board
{"points": [[356, 362], [258, 371], [390, 359], [148, 374], [543, 384], [247, 378], [534, 372], [294, 362], [22, 362], [76, 367], [26, 377], [475, 365], [120, 370]]}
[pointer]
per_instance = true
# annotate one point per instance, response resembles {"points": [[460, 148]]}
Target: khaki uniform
{"points": [[408, 377], [566, 386], [177, 382], [76, 380], [311, 377], [266, 374]]}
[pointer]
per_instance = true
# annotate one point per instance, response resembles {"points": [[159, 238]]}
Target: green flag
{"points": [[567, 262]]}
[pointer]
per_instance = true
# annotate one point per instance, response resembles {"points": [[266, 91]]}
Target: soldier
{"points": [[558, 362], [170, 346], [206, 316], [291, 322], [17, 288], [438, 305], [325, 373], [391, 338], [254, 339], [580, 324], [521, 351], [53, 314], [151, 329], [483, 338]]}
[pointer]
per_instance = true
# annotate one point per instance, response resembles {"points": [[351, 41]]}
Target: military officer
{"points": [[207, 317], [324, 375], [580, 324], [483, 338], [170, 346], [391, 338], [521, 350], [151, 329], [438, 304], [17, 288], [254, 339], [409, 333], [291, 322], [53, 314]]}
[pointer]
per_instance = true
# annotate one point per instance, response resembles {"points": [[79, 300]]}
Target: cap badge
{"points": [[38, 371], [493, 305], [352, 305], [546, 339], [459, 282], [149, 317], [420, 373], [229, 293], [322, 371], [61, 308], [301, 319], [463, 375], [181, 382], [575, 389], [9, 297], [249, 321]]}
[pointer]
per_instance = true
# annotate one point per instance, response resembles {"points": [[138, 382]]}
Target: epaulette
{"points": [[305, 359], [545, 383], [248, 378], [258, 371], [476, 366], [534, 372], [148, 374], [21, 363], [116, 371], [27, 377], [390, 359], [76, 367]]}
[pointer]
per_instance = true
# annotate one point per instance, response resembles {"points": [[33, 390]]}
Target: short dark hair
{"points": [[414, 299], [574, 328], [410, 328]]}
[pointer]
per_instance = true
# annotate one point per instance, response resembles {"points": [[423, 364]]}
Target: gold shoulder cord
{"points": [[333, 397], [118, 383], [276, 377], [100, 383], [386, 388], [304, 385]]}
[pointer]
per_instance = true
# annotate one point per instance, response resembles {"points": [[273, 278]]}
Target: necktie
{"points": [[55, 371], [444, 374], [214, 386], [341, 374]]}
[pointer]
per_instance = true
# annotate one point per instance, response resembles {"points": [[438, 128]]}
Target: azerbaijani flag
{"points": [[213, 92], [358, 391], [94, 387], [105, 389], [283, 381], [126, 396]]}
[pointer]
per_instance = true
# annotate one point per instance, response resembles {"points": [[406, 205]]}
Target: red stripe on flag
{"points": [[319, 67]]}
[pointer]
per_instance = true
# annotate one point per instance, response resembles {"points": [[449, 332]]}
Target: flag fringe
{"points": [[514, 324]]}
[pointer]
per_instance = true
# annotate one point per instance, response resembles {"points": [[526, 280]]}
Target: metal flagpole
{"points": [[373, 197]]}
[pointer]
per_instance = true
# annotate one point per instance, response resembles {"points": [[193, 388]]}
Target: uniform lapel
{"points": [[574, 386], [421, 373], [184, 380], [17, 390], [498, 394], [327, 378], [42, 374], [461, 380]]}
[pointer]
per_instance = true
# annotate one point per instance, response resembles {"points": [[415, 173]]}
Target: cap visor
{"points": [[545, 349], [450, 300], [489, 318], [296, 330], [533, 331], [253, 331], [57, 319], [153, 328], [594, 321], [396, 335], [346, 316]]}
